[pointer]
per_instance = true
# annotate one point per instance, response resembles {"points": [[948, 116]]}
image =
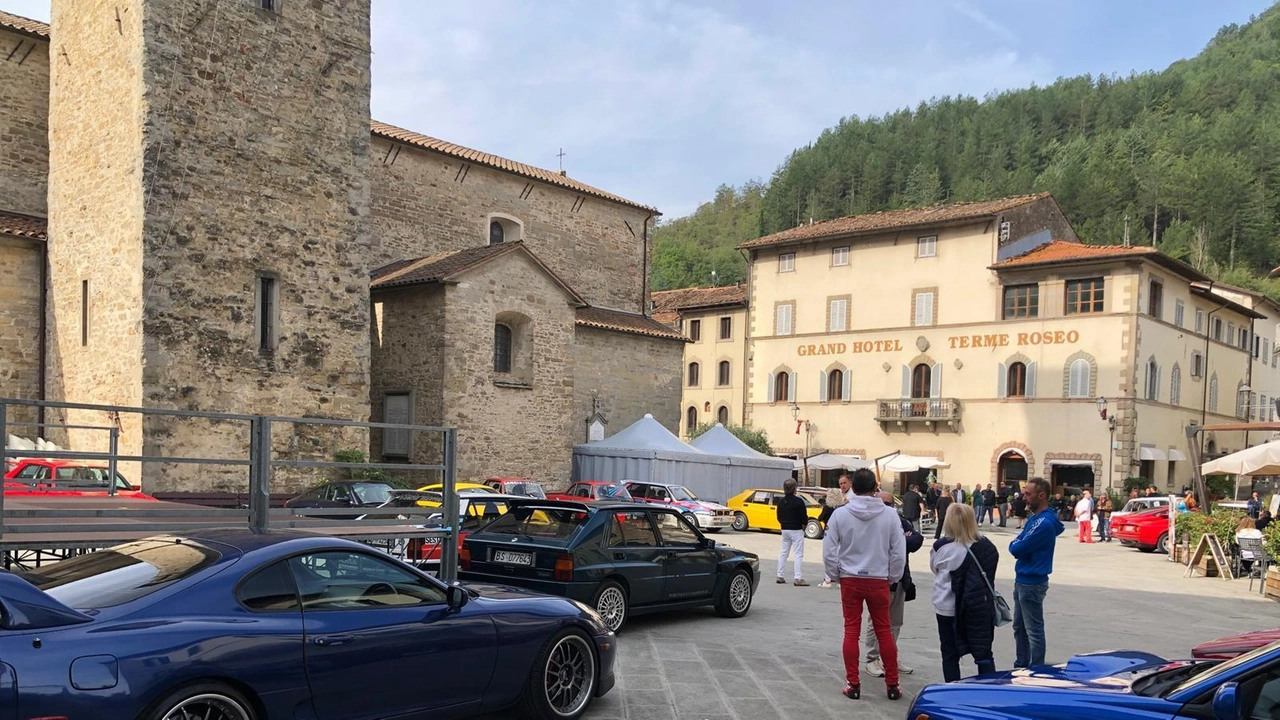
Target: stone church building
{"points": [[198, 213]]}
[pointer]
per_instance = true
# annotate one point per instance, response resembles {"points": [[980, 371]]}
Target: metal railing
{"points": [[918, 409], [73, 523]]}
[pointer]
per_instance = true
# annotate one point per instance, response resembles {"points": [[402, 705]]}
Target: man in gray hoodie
{"points": [[866, 550]]}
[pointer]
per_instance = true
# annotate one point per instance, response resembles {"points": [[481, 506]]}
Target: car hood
{"points": [[493, 596], [1101, 673], [698, 505]]}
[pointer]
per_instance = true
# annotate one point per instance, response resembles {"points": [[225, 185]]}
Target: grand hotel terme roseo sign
{"points": [[986, 340]]}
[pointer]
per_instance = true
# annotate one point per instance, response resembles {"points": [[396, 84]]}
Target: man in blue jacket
{"points": [[1033, 549]]}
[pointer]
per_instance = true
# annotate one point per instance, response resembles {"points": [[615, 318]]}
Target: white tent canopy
{"points": [[648, 452], [1257, 460], [832, 461], [910, 463]]}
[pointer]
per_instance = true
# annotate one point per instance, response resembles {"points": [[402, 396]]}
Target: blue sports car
{"points": [[1122, 685], [235, 625]]}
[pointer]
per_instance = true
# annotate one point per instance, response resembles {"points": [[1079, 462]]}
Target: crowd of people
{"points": [[865, 553]]}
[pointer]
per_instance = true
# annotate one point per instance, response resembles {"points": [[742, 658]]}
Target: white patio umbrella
{"points": [[911, 463], [1257, 460]]}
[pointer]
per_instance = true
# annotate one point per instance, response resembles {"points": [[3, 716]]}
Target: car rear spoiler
{"points": [[552, 503], [26, 607]]}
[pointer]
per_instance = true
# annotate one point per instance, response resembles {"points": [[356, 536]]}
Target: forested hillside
{"points": [[1190, 155]]}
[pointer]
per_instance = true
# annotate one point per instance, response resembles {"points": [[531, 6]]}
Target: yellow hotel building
{"points": [[987, 335]]}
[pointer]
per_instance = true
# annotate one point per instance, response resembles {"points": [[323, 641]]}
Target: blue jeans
{"points": [[1028, 624], [978, 510], [1104, 527]]}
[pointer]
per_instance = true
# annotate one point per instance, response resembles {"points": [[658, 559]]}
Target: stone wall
{"points": [[24, 122], [407, 339], [630, 374], [20, 326], [95, 206], [422, 205], [509, 425]]}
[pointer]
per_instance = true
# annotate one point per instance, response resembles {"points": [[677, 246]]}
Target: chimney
{"points": [[563, 173]]}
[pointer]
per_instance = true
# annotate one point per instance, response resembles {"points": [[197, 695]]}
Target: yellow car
{"points": [[758, 509], [457, 487]]}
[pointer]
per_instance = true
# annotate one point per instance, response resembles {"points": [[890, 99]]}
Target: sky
{"points": [[662, 101]]}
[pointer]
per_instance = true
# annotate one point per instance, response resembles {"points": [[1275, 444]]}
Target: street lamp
{"points": [[795, 415], [1111, 425]]}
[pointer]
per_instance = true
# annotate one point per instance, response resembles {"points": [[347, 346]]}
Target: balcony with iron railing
{"points": [[918, 410]]}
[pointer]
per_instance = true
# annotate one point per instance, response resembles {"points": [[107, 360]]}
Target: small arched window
{"points": [[1016, 383], [835, 385], [1213, 392], [501, 348], [691, 419], [921, 380], [722, 375], [694, 372], [782, 387], [722, 415], [1153, 380], [497, 233]]}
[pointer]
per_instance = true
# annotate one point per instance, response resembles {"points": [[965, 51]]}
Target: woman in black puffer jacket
{"points": [[962, 599]]}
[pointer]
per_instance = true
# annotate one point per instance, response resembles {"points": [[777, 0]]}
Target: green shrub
{"points": [[370, 474], [1221, 524], [755, 439], [1271, 538], [1140, 483]]}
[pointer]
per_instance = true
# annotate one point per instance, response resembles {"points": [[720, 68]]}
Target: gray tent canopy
{"points": [[748, 468], [646, 451]]}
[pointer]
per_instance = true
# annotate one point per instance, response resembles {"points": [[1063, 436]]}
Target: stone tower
{"points": [[209, 220]]}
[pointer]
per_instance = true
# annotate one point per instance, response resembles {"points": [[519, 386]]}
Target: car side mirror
{"points": [[456, 596], [708, 543], [1226, 703]]}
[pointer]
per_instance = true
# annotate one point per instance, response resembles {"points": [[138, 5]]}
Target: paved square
{"points": [[783, 659]]}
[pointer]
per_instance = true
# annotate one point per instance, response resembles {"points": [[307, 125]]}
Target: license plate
{"points": [[512, 558], [721, 520]]}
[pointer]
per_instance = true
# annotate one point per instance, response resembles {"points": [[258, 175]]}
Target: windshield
{"points": [[1215, 671], [680, 492], [544, 524], [122, 573], [613, 492], [372, 493], [528, 489]]}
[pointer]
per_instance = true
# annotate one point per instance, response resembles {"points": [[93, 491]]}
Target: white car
{"points": [[1138, 504]]}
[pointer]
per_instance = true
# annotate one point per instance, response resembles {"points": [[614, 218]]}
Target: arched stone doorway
{"points": [[1011, 465]]}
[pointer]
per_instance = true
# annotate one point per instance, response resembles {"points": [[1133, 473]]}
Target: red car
{"points": [[1229, 647], [48, 477], [594, 490], [1148, 530]]}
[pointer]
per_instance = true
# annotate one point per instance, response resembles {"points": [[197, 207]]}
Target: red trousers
{"points": [[1086, 531], [875, 593]]}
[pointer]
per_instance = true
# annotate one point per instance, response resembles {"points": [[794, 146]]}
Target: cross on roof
{"points": [[561, 156]]}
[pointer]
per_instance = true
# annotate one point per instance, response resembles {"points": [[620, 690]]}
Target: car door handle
{"points": [[673, 553], [619, 556], [327, 640]]}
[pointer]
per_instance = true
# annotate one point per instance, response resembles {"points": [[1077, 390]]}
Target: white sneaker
{"points": [[904, 670], [875, 668], [824, 584]]}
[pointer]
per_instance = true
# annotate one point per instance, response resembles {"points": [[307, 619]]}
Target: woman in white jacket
{"points": [[964, 566]]}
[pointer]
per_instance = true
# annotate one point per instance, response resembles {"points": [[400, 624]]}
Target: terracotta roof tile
{"points": [[23, 226], [1062, 251], [391, 132], [26, 26], [893, 219], [670, 318], [626, 322], [434, 268], [690, 298]]}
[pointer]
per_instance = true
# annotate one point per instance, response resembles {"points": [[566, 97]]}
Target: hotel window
{"points": [[1179, 311], [782, 386], [1216, 329], [927, 246], [833, 385], [1021, 301], [1199, 321], [1016, 383], [925, 310], [695, 330], [786, 262], [1197, 364], [1084, 296], [838, 315], [782, 318], [1213, 393], [1153, 380], [726, 328], [1266, 351], [1231, 334], [1080, 377], [722, 415], [694, 374], [722, 373], [1175, 385], [840, 256], [1155, 300]]}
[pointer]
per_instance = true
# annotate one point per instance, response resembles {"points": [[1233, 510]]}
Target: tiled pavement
{"points": [[783, 659]]}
